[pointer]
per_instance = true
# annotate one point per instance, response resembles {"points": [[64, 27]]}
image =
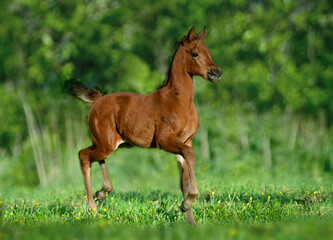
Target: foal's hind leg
{"points": [[85, 164], [107, 185], [87, 157]]}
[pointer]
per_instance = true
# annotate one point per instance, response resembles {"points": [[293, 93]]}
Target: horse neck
{"points": [[180, 83]]}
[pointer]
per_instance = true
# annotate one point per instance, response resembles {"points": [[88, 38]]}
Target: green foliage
{"points": [[272, 111]]}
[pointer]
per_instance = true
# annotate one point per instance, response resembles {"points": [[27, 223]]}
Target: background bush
{"points": [[271, 113]]}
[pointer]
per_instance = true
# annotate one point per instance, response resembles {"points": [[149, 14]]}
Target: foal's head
{"points": [[198, 58]]}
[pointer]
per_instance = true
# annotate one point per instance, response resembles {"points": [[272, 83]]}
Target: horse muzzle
{"points": [[214, 74]]}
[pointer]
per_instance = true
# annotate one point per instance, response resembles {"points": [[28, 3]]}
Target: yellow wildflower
{"points": [[232, 232]]}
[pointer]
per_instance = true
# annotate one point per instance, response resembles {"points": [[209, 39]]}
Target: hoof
{"points": [[182, 208], [186, 205], [100, 194], [192, 223], [190, 219], [92, 208]]}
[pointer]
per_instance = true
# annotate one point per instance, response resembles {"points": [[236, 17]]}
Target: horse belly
{"points": [[139, 130]]}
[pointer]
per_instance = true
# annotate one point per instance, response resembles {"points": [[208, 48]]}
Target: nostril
{"points": [[216, 72]]}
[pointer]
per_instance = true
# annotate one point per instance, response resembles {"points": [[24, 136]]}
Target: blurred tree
{"points": [[275, 55]]}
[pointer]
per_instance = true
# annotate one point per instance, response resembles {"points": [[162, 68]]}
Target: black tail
{"points": [[82, 91]]}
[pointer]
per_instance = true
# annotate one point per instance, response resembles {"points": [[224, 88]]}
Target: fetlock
{"points": [[186, 205]]}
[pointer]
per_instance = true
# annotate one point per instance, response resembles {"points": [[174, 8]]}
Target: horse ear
{"points": [[203, 34], [191, 35]]}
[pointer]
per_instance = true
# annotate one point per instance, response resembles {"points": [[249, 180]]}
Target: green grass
{"points": [[227, 209]]}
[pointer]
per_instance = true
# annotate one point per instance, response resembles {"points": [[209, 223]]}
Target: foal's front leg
{"points": [[185, 185], [189, 157], [172, 145]]}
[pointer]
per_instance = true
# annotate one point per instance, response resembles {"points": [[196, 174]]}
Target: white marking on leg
{"points": [[180, 159]]}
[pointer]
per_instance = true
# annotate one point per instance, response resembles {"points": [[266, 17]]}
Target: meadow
{"points": [[235, 210]]}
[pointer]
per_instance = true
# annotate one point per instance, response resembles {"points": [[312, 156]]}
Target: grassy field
{"points": [[252, 209], [258, 178]]}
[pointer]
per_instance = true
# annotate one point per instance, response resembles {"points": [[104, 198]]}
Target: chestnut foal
{"points": [[165, 119]]}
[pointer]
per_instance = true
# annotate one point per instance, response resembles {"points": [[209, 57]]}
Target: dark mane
{"points": [[170, 65]]}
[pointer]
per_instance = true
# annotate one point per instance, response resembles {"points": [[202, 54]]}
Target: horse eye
{"points": [[195, 54]]}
